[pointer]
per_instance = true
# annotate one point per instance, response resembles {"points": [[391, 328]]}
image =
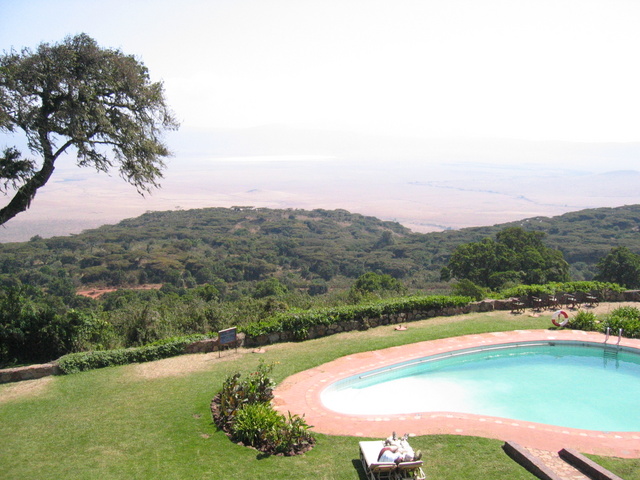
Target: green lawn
{"points": [[115, 423]]}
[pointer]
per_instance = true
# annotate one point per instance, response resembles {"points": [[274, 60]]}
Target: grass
{"points": [[116, 423]]}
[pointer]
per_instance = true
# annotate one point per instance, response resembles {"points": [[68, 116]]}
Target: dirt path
{"points": [[97, 292], [185, 364], [27, 388]]}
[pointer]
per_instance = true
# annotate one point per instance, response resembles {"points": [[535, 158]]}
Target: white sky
{"points": [[536, 70]]}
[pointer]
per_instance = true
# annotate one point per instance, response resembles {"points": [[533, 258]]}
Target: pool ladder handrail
{"points": [[609, 332]]}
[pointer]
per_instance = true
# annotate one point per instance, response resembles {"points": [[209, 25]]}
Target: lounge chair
{"points": [[410, 470], [369, 451]]}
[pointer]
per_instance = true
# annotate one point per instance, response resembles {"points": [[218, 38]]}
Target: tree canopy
{"points": [[620, 266], [76, 97], [516, 256]]}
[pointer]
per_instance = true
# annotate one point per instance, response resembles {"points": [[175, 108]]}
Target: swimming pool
{"points": [[564, 383]]}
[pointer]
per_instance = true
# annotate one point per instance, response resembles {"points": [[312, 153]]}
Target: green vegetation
{"points": [[119, 423], [77, 98], [314, 251], [620, 266], [243, 410], [599, 288], [82, 361], [515, 257], [625, 318], [265, 271], [297, 322]]}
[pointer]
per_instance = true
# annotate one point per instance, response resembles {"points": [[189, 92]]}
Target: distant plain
{"points": [[426, 186]]}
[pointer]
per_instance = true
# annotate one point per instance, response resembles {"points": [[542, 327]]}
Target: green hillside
{"points": [[314, 250]]}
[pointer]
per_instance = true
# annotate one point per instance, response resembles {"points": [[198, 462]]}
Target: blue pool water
{"points": [[571, 384]]}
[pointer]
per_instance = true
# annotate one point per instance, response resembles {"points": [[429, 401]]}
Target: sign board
{"points": [[227, 336]]}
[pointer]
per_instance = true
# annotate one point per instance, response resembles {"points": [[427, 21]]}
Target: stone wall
{"points": [[30, 372]]}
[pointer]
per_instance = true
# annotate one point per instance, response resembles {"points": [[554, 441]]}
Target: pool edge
{"points": [[300, 394]]}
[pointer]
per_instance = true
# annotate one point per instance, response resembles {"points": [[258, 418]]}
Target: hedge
{"points": [[82, 361], [297, 322], [557, 288]]}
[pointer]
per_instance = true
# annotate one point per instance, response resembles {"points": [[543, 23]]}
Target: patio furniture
{"points": [[536, 303], [369, 451], [552, 302], [571, 301], [410, 470], [517, 306], [591, 300]]}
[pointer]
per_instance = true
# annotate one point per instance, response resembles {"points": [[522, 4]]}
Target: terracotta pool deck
{"points": [[300, 394]]}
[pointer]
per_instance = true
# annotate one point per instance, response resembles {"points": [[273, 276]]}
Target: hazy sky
{"points": [[536, 70], [328, 78]]}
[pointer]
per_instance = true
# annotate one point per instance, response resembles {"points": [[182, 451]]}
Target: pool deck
{"points": [[300, 394]]}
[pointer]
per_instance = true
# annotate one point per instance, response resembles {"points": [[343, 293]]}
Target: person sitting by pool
{"points": [[390, 454], [403, 447]]}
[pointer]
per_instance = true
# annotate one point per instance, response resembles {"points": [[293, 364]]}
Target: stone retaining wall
{"points": [[29, 372]]}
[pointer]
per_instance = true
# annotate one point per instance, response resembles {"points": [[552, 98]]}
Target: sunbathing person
{"points": [[403, 447], [390, 454]]}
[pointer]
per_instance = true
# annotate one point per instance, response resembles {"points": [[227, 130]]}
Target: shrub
{"points": [[467, 288], [625, 318], [34, 329], [257, 425], [243, 410], [556, 288], [82, 361], [584, 321], [258, 388], [297, 322]]}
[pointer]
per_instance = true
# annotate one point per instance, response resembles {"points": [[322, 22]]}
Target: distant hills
{"points": [[306, 249], [425, 184]]}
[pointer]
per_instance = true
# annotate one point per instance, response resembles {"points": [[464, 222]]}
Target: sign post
{"points": [[227, 336]]}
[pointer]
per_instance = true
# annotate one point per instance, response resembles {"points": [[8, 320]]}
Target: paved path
{"points": [[557, 465]]}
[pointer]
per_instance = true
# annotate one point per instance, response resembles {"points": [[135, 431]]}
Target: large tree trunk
{"points": [[25, 194]]}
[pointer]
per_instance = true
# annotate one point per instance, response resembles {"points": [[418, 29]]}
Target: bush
{"points": [[34, 329], [584, 321], [467, 288], [298, 322], [559, 288], [82, 361], [625, 318], [236, 393], [257, 425], [243, 410]]}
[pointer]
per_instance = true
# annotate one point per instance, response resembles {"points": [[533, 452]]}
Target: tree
{"points": [[467, 288], [77, 97], [516, 256], [271, 287], [620, 266], [372, 282]]}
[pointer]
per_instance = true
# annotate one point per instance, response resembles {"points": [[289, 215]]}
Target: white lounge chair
{"points": [[369, 451], [410, 470]]}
